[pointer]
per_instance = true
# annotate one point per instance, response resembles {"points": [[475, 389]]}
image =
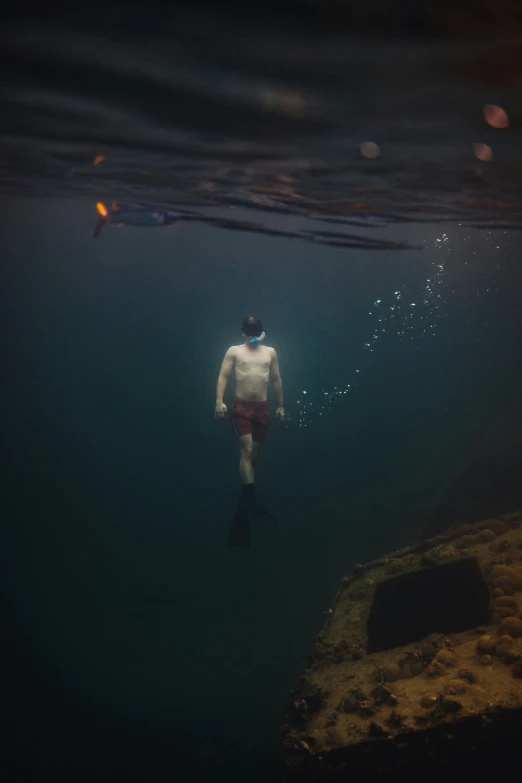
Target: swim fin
{"points": [[259, 513], [240, 529]]}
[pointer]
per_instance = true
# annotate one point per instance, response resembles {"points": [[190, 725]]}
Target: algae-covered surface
{"points": [[350, 695]]}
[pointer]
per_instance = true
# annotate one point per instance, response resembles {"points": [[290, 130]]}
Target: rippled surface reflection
{"points": [[208, 112]]}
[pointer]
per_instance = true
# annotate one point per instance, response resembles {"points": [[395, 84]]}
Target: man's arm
{"points": [[226, 368], [277, 385]]}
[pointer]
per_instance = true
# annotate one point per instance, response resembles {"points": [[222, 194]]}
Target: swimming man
{"points": [[254, 365]]}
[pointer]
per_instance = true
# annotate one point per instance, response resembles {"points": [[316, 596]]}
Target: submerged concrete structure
{"points": [[417, 673]]}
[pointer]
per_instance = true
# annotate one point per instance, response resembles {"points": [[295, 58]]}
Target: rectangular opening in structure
{"points": [[445, 599]]}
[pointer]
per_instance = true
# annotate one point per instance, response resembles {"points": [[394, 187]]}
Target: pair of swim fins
{"points": [[248, 509]]}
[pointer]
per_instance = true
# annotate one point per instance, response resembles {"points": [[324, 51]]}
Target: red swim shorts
{"points": [[251, 417]]}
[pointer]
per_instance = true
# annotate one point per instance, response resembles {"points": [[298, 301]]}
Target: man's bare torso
{"points": [[252, 371]]}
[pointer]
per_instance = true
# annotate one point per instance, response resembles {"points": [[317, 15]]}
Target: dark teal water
{"points": [[141, 642], [139, 645]]}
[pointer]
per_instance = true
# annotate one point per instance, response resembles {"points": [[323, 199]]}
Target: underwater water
{"points": [[388, 279]]}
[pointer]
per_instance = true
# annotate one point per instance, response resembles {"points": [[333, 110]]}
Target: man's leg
{"points": [[240, 531], [246, 467], [249, 492], [248, 503], [255, 454]]}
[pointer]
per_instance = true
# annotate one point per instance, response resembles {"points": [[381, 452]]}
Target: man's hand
{"points": [[280, 414], [221, 410]]}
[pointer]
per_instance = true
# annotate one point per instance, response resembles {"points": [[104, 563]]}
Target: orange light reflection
{"points": [[495, 116], [370, 150], [483, 152]]}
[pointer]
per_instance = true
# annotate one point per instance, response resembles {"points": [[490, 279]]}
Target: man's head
{"points": [[252, 329]]}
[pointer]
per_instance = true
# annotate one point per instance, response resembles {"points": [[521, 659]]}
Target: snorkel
{"points": [[258, 339], [253, 339]]}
